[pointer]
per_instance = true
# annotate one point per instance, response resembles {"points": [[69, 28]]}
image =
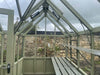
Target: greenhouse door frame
{"points": [[10, 41]]}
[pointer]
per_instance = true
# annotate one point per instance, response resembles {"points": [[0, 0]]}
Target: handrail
{"points": [[19, 60], [91, 51]]}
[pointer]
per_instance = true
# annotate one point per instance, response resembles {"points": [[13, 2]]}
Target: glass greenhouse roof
{"points": [[88, 9]]}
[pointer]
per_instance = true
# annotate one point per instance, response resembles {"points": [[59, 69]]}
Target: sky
{"points": [[89, 9]]}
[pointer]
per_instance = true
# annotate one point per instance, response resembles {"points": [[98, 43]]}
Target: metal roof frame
{"points": [[60, 13], [59, 22], [86, 24], [34, 25], [57, 26]]}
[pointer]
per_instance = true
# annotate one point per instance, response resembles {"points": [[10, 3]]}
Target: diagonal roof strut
{"points": [[32, 10], [87, 25], [57, 26], [58, 11], [58, 22]]}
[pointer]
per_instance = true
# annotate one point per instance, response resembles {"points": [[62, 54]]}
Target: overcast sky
{"points": [[89, 9]]}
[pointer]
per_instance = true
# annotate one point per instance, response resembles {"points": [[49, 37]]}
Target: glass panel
{"points": [[37, 1], [10, 4], [6, 4], [30, 46], [50, 26], [88, 10], [38, 18], [66, 25], [79, 27], [70, 17], [4, 21], [41, 25], [50, 46], [59, 48], [26, 4], [40, 46], [56, 23], [57, 29]]}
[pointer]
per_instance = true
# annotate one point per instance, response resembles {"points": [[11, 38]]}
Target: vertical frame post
{"points": [[92, 56], [2, 49], [10, 41], [70, 48], [45, 37], [18, 42], [35, 42], [54, 40], [23, 45], [77, 51], [14, 47], [24, 41], [66, 47]]}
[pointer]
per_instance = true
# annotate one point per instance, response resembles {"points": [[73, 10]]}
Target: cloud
{"points": [[1, 1], [89, 9]]}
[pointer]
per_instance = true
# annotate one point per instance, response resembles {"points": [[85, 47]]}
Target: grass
{"points": [[86, 69], [97, 62]]}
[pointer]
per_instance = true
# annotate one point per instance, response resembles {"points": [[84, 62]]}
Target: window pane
{"points": [[4, 21], [88, 9]]}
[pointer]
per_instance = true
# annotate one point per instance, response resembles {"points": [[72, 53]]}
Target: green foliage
{"points": [[48, 38], [48, 48], [40, 49], [97, 62], [86, 69], [4, 52], [15, 58], [57, 48]]}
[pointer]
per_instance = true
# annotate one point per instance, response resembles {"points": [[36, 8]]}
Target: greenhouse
{"points": [[49, 37]]}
